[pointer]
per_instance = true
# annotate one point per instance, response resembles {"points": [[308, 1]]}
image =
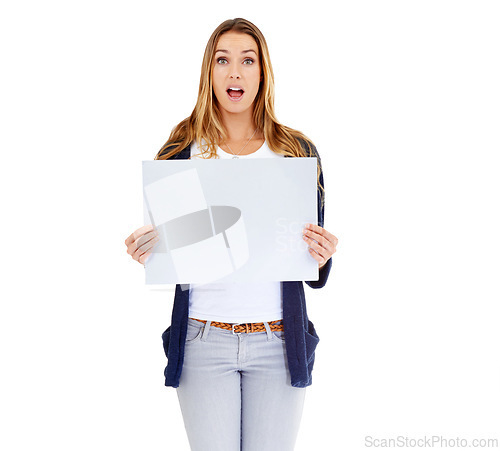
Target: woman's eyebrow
{"points": [[243, 51]]}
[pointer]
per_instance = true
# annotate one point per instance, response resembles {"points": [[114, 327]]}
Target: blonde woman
{"points": [[240, 355]]}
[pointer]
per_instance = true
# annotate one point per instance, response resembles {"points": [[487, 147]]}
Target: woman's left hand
{"points": [[322, 244]]}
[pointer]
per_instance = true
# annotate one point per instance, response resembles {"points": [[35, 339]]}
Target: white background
{"points": [[401, 99]]}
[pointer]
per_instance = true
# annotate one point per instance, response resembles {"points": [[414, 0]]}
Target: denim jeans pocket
{"points": [[279, 335], [194, 330]]}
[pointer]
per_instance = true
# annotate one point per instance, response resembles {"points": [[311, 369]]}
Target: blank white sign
{"points": [[230, 220]]}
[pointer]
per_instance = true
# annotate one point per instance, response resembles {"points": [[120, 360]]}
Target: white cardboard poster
{"points": [[231, 220]]}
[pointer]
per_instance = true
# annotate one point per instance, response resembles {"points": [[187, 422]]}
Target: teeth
{"points": [[235, 89]]}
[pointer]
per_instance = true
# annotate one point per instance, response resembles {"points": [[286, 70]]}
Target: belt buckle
{"points": [[232, 328]]}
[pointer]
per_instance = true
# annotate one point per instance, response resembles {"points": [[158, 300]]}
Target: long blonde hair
{"points": [[205, 122]]}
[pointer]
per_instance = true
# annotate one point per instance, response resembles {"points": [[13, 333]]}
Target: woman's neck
{"points": [[240, 126]]}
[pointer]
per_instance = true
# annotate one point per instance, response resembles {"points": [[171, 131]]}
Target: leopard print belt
{"points": [[246, 327]]}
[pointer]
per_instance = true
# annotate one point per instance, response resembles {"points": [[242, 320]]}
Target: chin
{"points": [[235, 108]]}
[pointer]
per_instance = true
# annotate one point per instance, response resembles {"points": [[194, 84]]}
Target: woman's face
{"points": [[236, 64]]}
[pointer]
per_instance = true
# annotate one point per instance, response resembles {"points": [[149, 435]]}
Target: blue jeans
{"points": [[235, 392]]}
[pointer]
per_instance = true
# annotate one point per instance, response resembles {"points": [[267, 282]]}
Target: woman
{"points": [[240, 355]]}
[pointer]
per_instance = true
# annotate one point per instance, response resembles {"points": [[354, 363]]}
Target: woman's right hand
{"points": [[140, 243]]}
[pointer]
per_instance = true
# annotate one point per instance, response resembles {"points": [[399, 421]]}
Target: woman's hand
{"points": [[322, 244], [140, 243]]}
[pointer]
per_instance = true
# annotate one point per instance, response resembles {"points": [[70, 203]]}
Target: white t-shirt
{"points": [[236, 302]]}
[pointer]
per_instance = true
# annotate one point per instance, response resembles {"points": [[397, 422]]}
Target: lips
{"points": [[235, 93]]}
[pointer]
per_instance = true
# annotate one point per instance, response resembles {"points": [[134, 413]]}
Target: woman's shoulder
{"points": [[181, 151], [307, 145]]}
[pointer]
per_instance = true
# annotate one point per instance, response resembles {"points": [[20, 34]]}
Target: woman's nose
{"points": [[234, 72]]}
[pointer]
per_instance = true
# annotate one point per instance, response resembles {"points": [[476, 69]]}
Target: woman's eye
{"points": [[224, 59]]}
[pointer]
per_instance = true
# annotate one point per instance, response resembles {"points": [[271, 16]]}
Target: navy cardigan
{"points": [[301, 338]]}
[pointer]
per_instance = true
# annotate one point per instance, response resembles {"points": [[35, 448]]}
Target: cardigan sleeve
{"points": [[325, 270]]}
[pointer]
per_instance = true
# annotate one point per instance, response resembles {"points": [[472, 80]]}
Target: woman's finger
{"points": [[137, 233], [319, 258], [317, 248], [144, 258], [316, 236], [314, 239], [144, 239], [140, 241], [143, 248]]}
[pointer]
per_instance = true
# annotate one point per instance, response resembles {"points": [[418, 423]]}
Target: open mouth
{"points": [[235, 94]]}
